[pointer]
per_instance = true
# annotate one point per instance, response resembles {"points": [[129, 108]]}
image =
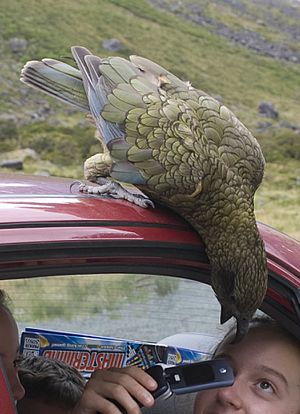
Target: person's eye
{"points": [[266, 386]]}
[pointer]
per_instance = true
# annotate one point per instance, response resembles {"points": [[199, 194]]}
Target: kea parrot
{"points": [[180, 147]]}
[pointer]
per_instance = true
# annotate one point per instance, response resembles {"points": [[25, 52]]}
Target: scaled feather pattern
{"points": [[182, 148]]}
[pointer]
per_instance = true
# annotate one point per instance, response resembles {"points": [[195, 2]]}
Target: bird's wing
{"points": [[159, 129], [158, 149], [134, 115], [158, 137]]}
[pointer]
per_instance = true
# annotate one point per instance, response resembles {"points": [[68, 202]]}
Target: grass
{"points": [[277, 201], [210, 62]]}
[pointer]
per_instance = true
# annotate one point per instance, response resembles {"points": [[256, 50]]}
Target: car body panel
{"points": [[47, 225], [31, 204]]}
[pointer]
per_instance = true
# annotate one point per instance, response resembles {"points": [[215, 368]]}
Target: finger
{"points": [[140, 376], [126, 386], [114, 399], [92, 403]]}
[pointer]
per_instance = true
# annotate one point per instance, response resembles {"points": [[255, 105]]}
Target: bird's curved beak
{"points": [[225, 314], [242, 326]]}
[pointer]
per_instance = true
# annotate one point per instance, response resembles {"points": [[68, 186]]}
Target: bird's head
{"points": [[232, 309], [239, 279]]}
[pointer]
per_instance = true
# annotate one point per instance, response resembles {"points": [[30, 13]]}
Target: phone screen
{"points": [[198, 375]]}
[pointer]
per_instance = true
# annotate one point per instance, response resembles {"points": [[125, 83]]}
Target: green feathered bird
{"points": [[182, 148]]}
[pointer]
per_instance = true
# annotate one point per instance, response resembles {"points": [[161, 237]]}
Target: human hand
{"points": [[129, 386]]}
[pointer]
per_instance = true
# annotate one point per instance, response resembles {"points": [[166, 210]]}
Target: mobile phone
{"points": [[199, 376], [184, 379]]}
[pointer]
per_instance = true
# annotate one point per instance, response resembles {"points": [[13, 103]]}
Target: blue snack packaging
{"points": [[89, 352]]}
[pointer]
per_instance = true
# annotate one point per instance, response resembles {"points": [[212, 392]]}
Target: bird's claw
{"points": [[115, 190], [138, 199]]}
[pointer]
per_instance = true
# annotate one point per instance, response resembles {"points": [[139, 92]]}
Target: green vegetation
{"points": [[42, 299], [278, 198], [242, 78]]}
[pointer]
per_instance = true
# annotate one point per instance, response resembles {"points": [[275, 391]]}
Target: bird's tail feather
{"points": [[96, 91], [56, 79]]}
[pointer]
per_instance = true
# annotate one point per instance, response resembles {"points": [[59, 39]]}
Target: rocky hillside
{"points": [[268, 27], [246, 53]]}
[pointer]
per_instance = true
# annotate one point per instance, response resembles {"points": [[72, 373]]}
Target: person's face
{"points": [[9, 352], [267, 377], [31, 406]]}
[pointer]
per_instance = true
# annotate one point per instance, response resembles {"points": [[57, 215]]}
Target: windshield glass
{"points": [[141, 307]]}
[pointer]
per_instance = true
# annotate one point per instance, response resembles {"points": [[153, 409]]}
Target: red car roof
{"points": [[33, 202], [30, 203]]}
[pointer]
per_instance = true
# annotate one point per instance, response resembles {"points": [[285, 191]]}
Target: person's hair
{"points": [[51, 381], [256, 323], [5, 301]]}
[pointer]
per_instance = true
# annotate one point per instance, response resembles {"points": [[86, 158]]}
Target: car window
{"points": [[139, 307]]}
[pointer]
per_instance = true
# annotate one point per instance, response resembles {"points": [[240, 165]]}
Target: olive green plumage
{"points": [[184, 149]]}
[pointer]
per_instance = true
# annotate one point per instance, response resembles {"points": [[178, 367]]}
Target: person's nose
{"points": [[17, 388], [232, 396]]}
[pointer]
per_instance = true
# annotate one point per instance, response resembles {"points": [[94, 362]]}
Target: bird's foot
{"points": [[114, 189]]}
